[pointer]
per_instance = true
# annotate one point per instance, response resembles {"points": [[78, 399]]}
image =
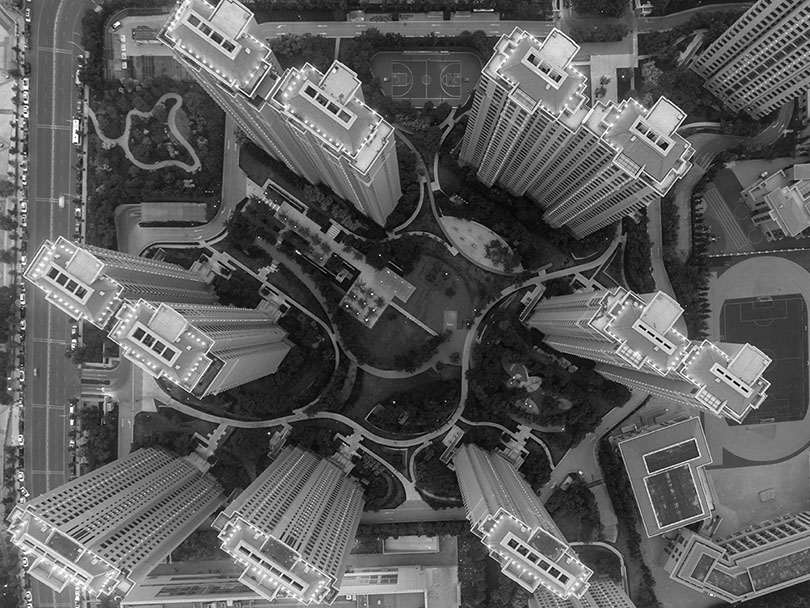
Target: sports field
{"points": [[421, 76], [778, 326]]}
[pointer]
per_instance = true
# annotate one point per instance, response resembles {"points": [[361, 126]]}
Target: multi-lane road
{"points": [[56, 31]]}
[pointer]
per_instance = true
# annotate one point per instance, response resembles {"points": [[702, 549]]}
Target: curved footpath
{"points": [[123, 140]]}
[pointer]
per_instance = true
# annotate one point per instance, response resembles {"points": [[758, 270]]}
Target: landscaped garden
{"points": [[416, 411], [434, 480]]}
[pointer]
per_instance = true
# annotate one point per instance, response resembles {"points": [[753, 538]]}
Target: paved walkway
{"points": [[123, 140]]}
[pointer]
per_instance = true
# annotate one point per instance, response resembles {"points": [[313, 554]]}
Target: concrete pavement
{"points": [[56, 32]]}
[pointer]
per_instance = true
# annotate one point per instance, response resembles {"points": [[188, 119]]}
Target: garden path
{"points": [[123, 140]]}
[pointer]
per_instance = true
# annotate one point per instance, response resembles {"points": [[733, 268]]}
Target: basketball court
{"points": [[776, 325], [422, 76]]}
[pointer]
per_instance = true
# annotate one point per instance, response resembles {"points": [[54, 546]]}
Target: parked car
{"points": [[22, 298], [23, 206], [22, 324], [115, 25], [25, 84], [24, 179], [23, 260], [74, 331], [23, 220], [21, 476], [26, 112], [28, 15]]}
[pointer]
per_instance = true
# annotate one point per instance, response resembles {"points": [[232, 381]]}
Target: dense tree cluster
{"points": [[411, 187], [609, 32], [600, 8], [101, 436], [490, 398], [114, 180], [664, 43], [424, 408], [518, 220], [624, 505], [414, 528], [435, 481], [181, 442], [637, 262], [294, 51], [576, 501], [536, 468]]}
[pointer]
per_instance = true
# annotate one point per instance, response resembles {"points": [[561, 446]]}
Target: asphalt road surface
{"points": [[54, 46]]}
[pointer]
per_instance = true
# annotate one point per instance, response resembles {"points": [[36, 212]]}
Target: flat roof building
{"points": [[760, 62], [106, 530], [666, 467], [512, 522], [780, 203], [292, 529], [532, 132], [317, 124], [91, 283], [760, 559], [634, 342], [203, 349]]}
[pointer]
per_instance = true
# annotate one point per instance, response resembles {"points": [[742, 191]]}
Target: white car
{"points": [[24, 178], [28, 15], [23, 220], [20, 476], [26, 83], [22, 303], [24, 561], [25, 97], [22, 324], [20, 439], [23, 206], [23, 260], [26, 113]]}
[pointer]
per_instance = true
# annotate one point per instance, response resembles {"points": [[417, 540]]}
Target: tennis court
{"points": [[778, 326], [422, 76]]}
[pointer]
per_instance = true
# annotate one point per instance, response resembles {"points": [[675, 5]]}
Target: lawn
{"points": [[392, 335], [439, 287]]}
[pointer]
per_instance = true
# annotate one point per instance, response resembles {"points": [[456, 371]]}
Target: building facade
{"points": [[203, 349], [779, 202], [316, 124], [91, 283], [531, 131], [512, 522], [602, 593], [106, 530], [292, 529], [755, 561], [635, 341], [760, 62], [215, 584]]}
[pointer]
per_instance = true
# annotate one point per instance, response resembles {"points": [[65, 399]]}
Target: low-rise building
{"points": [[666, 466], [755, 561]]}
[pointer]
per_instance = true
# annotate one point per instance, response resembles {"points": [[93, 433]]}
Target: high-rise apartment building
{"points": [[216, 584], [602, 593], [512, 522], [91, 283], [105, 531], [757, 560], [761, 61], [531, 131], [635, 342], [293, 527], [317, 124], [203, 349], [780, 202]]}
